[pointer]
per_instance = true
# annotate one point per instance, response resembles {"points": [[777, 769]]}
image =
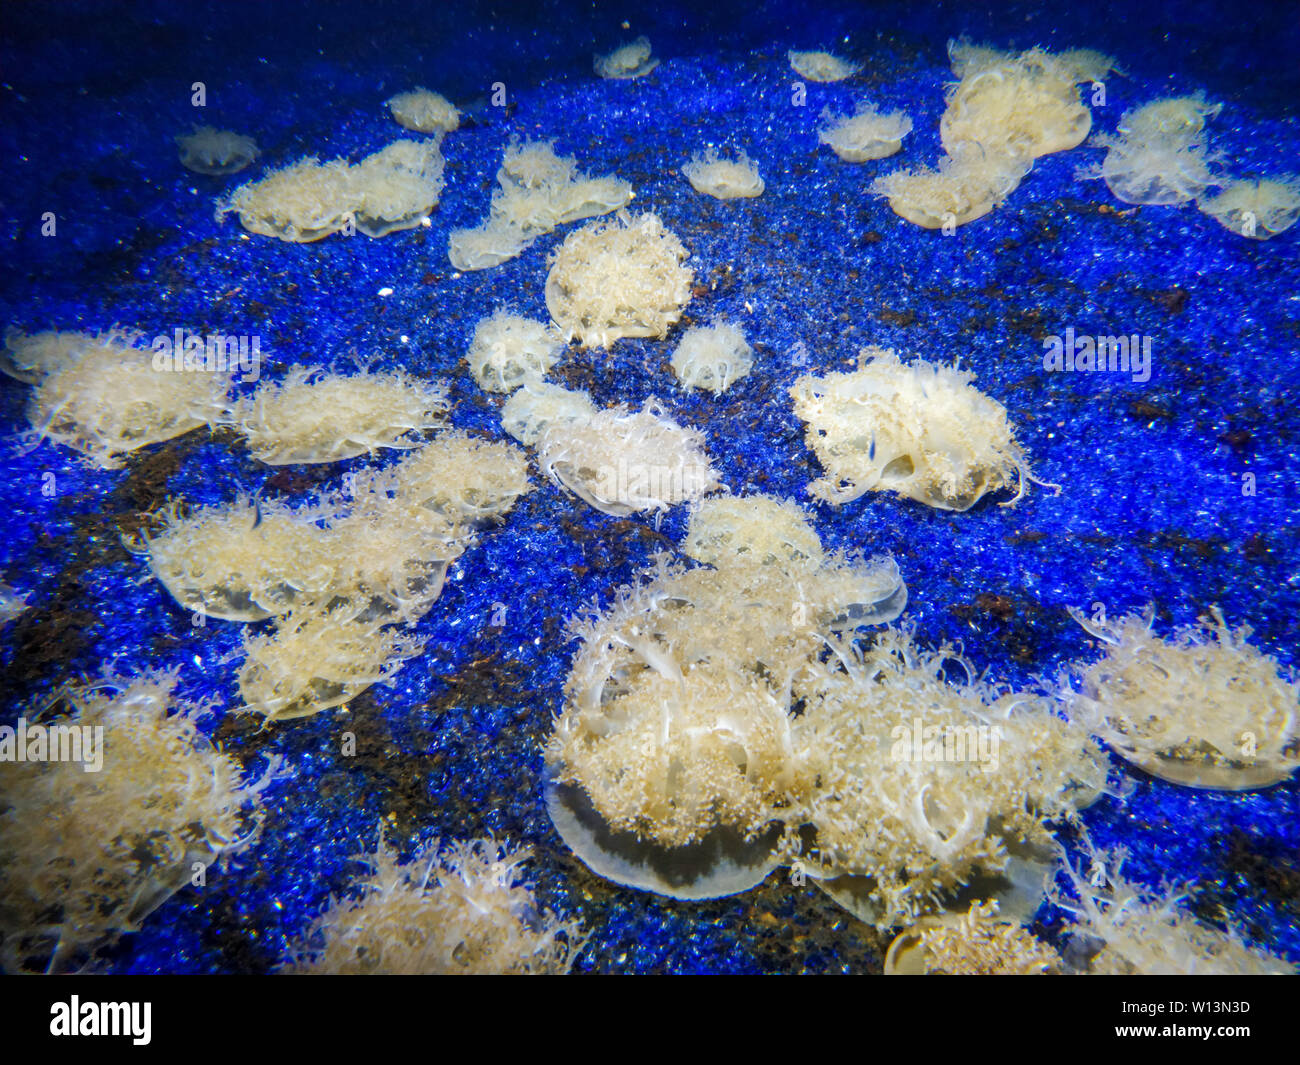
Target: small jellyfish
{"points": [[821, 66], [632, 60], [724, 179], [216, 151], [1256, 209], [866, 134]]}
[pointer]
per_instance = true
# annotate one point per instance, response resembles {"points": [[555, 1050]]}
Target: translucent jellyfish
{"points": [[1165, 169], [621, 278], [397, 187], [1203, 708], [302, 202], [724, 179], [821, 66], [712, 357], [1259, 209], [424, 111], [631, 60], [866, 134], [508, 349], [317, 657], [921, 430], [1177, 116], [536, 406], [216, 151], [1020, 108], [622, 462], [311, 416], [966, 186]]}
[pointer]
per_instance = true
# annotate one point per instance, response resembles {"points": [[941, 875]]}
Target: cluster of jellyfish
{"points": [[758, 709]]}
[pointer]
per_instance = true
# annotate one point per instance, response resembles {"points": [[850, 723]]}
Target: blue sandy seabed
{"points": [[1151, 511]]}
